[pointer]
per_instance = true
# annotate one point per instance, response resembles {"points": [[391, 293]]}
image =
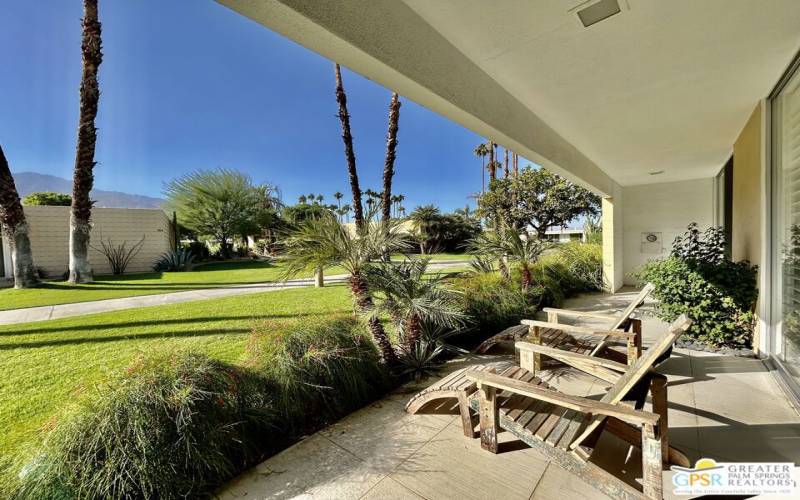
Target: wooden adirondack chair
{"points": [[555, 334], [566, 428]]}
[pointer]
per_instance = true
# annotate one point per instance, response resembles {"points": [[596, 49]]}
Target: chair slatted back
{"points": [[637, 371]]}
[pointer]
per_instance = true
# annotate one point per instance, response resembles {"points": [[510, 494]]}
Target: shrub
{"points": [[493, 303], [119, 255], [48, 198], [321, 369], [577, 267], [175, 261], [199, 249], [170, 427], [700, 281]]}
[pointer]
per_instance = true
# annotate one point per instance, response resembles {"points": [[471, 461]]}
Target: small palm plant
{"points": [[507, 243], [414, 300], [325, 242]]}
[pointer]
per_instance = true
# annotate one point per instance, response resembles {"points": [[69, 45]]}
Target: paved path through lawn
{"points": [[44, 313]]}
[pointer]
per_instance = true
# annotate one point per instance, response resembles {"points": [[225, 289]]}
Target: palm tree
{"points": [[391, 154], [516, 165], [80, 270], [481, 151], [325, 242], [346, 209], [412, 300], [506, 243], [492, 165], [338, 197], [505, 163], [425, 219], [347, 138], [320, 198], [15, 227], [301, 199]]}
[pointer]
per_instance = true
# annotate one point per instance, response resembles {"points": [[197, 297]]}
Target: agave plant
{"points": [[421, 360], [175, 260], [413, 299], [326, 242]]}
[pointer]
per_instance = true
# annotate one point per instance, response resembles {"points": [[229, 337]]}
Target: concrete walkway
{"points": [[44, 313], [721, 407]]}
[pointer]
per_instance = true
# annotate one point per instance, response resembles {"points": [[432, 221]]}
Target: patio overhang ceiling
{"points": [[660, 86]]}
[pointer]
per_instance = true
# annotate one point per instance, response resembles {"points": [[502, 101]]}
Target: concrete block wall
{"points": [[50, 236]]}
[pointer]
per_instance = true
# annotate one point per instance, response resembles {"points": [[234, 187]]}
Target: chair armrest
{"points": [[579, 329], [581, 314], [577, 403], [568, 357]]}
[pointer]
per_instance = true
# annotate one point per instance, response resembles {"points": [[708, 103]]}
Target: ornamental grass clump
{"points": [[320, 369], [171, 426], [699, 280]]}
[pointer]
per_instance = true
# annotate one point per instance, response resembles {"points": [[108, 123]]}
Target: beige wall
{"points": [[50, 236], [665, 208], [747, 154]]}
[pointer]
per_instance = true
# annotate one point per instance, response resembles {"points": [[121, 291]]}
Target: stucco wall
{"points": [[665, 208], [747, 199], [50, 236]]}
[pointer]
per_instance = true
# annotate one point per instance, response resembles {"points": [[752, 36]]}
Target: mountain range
{"points": [[31, 182]]}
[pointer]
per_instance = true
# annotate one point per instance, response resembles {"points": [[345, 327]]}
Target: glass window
{"points": [[786, 158]]}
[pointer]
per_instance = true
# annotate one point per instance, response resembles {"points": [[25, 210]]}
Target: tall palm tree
{"points": [[506, 243], [391, 154], [325, 242], [15, 227], [505, 163], [301, 199], [338, 197], [481, 151], [516, 165], [411, 299], [80, 271], [320, 198], [347, 138], [492, 164]]}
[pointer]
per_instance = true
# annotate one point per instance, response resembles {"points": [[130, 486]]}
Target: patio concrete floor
{"points": [[721, 407]]}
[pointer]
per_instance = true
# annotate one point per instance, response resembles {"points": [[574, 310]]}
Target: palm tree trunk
{"points": [[80, 270], [347, 138], [319, 278], [492, 166], [15, 228], [413, 332], [525, 278], [516, 165], [363, 300], [391, 154], [505, 164]]}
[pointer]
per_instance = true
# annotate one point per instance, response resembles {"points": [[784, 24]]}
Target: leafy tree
{"points": [[325, 242], [302, 212], [536, 198], [80, 271], [218, 203], [15, 229], [48, 198]]}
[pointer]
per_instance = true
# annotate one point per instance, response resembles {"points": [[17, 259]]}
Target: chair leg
{"points": [[658, 391], [489, 415], [534, 364], [651, 462], [467, 422], [635, 343]]}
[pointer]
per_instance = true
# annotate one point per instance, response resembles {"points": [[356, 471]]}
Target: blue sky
{"points": [[189, 84]]}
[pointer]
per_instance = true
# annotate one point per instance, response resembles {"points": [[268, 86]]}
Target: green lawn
{"points": [[46, 364], [213, 275]]}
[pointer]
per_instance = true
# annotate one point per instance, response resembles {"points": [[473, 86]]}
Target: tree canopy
{"points": [[220, 203], [49, 198], [538, 199]]}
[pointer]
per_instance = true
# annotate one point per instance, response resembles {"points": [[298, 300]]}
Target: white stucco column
{"points": [[7, 270], [613, 240]]}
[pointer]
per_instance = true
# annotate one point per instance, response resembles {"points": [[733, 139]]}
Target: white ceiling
{"points": [[664, 85]]}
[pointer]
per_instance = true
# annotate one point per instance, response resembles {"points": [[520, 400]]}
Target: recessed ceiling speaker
{"points": [[598, 11]]}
